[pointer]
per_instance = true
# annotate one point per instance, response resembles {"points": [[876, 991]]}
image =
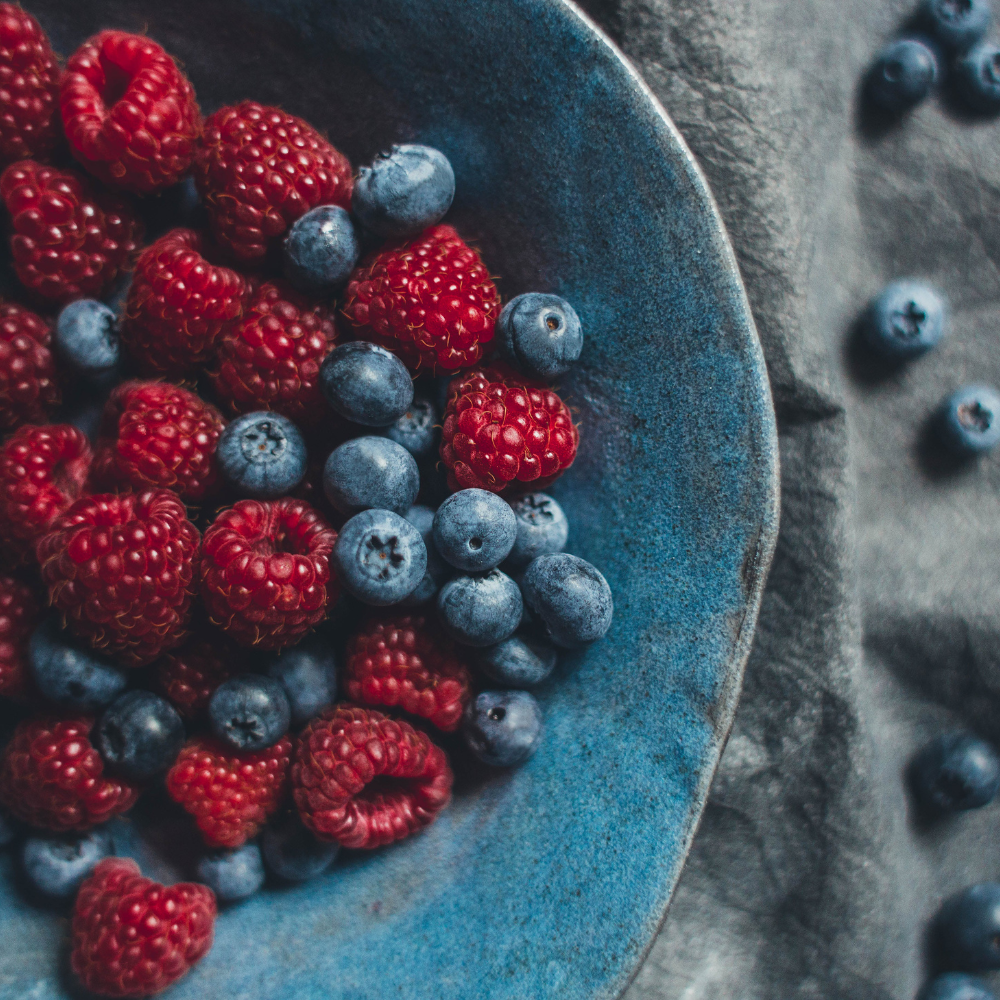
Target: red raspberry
{"points": [[188, 676], [430, 299], [29, 86], [51, 776], [178, 305], [42, 471], [133, 937], [265, 571], [18, 617], [338, 757], [69, 239], [230, 794], [129, 113], [258, 169], [120, 570], [156, 434], [270, 359], [28, 387], [405, 661], [502, 430]]}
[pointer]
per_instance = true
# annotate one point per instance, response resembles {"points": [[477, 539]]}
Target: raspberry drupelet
{"points": [[365, 780], [120, 569], [406, 662], [28, 387], [258, 169], [155, 434], [43, 469], [69, 239], [129, 113], [271, 357], [188, 676], [265, 571], [133, 937], [52, 777], [178, 305], [505, 433], [430, 300], [231, 794], [19, 614], [29, 88]]}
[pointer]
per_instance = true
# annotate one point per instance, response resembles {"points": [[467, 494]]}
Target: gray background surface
{"points": [[811, 876]]}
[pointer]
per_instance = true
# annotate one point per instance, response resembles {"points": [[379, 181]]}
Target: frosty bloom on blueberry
{"points": [[380, 557], [366, 384], [905, 320], [57, 865], [69, 675], [404, 191], [139, 735], [262, 455], [86, 338], [371, 472], [903, 75], [480, 609], [969, 420], [541, 334], [233, 875], [321, 250], [416, 429], [978, 74]]}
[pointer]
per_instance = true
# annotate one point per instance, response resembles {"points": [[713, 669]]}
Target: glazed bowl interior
{"points": [[547, 881]]}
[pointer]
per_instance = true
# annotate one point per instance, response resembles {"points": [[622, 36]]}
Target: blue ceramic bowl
{"points": [[549, 881]]}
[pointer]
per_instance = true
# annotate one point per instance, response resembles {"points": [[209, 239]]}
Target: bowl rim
{"points": [[756, 569]]}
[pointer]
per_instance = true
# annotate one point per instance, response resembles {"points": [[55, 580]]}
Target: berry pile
{"points": [[284, 504]]}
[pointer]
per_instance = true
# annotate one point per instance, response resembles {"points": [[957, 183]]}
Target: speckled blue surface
{"points": [[548, 882]]}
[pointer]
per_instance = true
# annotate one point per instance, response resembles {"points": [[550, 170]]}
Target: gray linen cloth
{"points": [[811, 875]]}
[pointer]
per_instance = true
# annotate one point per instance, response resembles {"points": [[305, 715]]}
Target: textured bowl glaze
{"points": [[549, 881]]}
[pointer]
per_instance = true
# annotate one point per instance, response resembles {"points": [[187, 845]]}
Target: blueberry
{"points": [[518, 662], [502, 728], [474, 530], [321, 250], [57, 865], [369, 472], [970, 419], [570, 597], [542, 528], [88, 418], [86, 338], [968, 929], [366, 384], [956, 771], [903, 75], [262, 455], [404, 192], [956, 986], [540, 334], [293, 853], [905, 320], [249, 712], [959, 24], [416, 429], [978, 75], [308, 673], [232, 875], [422, 518], [140, 734], [69, 675], [480, 610], [7, 829], [380, 558]]}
